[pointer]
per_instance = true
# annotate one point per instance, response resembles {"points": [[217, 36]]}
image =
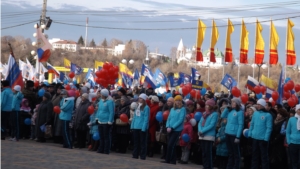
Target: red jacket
{"points": [[187, 129], [152, 121]]}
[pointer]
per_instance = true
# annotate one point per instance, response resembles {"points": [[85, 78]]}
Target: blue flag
{"points": [[136, 75], [90, 77], [146, 71], [62, 76], [229, 82], [174, 81], [126, 79], [195, 74], [160, 77], [280, 87], [76, 69], [185, 78]]}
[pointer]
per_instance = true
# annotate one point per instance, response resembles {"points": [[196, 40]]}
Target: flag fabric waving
{"points": [[214, 40], [185, 78], [195, 74], [98, 65], [14, 75], [51, 69], [43, 52], [280, 87], [244, 44], [76, 69], [265, 81], [290, 48], [251, 83], [228, 48], [161, 79], [274, 40], [228, 82], [67, 63], [200, 38], [90, 77], [259, 44], [149, 77]]}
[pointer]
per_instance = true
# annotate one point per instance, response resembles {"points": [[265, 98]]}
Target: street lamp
{"points": [[262, 65], [125, 61]]}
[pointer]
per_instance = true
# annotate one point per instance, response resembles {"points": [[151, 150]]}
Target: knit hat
{"points": [[189, 102], [47, 95], [297, 107], [178, 98], [188, 117], [210, 102], [253, 108], [143, 96], [155, 99], [236, 100], [171, 99], [104, 92], [17, 88], [201, 103], [133, 105], [5, 83], [262, 102], [122, 90], [85, 95]]}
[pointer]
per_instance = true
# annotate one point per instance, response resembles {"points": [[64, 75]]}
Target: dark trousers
{"points": [[234, 156], [81, 138], [122, 142], [260, 148], [206, 147], [66, 134], [171, 149], [105, 138], [139, 144], [24, 129], [4, 123], [222, 162], [294, 152], [15, 124]]}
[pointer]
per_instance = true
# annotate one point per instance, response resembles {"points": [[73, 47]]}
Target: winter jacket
{"points": [[82, 116], [141, 119], [261, 125], [66, 108], [92, 124], [44, 114], [187, 129], [6, 99], [16, 102], [123, 109], [31, 97], [176, 119], [105, 112], [235, 122], [209, 129], [222, 149], [153, 122], [292, 134]]}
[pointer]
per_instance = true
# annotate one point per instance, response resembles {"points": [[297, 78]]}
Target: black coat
{"points": [[57, 123], [123, 109], [82, 116], [44, 115]]}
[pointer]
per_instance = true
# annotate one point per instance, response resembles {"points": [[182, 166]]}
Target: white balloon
{"points": [[193, 122], [34, 35], [33, 43], [43, 26], [35, 26], [32, 52], [271, 99]]}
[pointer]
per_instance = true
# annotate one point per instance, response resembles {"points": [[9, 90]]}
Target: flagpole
{"points": [[286, 47], [37, 76], [270, 49]]}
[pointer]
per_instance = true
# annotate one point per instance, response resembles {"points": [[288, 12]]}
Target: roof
{"points": [[218, 53], [65, 42]]}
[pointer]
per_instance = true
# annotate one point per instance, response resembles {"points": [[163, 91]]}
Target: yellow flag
{"points": [[244, 44], [268, 82], [98, 65], [67, 63], [274, 40], [200, 38], [228, 48], [213, 41], [124, 69], [259, 44], [290, 48]]}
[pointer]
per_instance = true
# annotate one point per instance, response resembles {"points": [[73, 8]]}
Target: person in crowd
{"points": [[233, 131], [207, 132], [122, 128], [33, 122], [83, 90], [52, 90], [174, 127], [15, 117], [6, 107], [190, 107], [150, 92], [140, 125], [29, 94], [222, 150], [200, 106], [260, 131], [105, 116], [45, 111], [186, 146], [57, 123], [161, 104], [154, 107], [293, 138], [81, 119], [25, 112], [65, 115]]}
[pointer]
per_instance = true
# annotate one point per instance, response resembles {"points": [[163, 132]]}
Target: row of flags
{"points": [[244, 43]]}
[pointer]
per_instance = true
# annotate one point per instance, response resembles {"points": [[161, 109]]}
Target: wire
{"points": [[162, 29], [19, 25]]}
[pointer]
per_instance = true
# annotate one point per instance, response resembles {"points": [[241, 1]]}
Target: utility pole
{"points": [[86, 31], [43, 16]]}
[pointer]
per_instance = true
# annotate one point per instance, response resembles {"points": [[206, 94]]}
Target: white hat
{"points": [[17, 88], [104, 92], [88, 85], [143, 96], [133, 105], [297, 107], [262, 102], [155, 99], [85, 95]]}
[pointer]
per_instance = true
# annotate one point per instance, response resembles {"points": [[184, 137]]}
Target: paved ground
{"points": [[31, 155]]}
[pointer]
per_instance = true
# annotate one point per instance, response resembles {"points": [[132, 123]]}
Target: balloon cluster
{"points": [[292, 99], [107, 75], [185, 89], [196, 94]]}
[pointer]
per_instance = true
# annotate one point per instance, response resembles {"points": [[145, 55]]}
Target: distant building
{"points": [[109, 50], [118, 51], [64, 44]]}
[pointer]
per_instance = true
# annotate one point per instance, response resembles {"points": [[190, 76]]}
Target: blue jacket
{"points": [[235, 122], [16, 102], [222, 149], [105, 112], [209, 128], [94, 126], [66, 108], [261, 125], [292, 134], [141, 120], [176, 119], [6, 99]]}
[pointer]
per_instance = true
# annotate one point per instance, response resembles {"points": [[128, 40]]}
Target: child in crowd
{"points": [[186, 146], [25, 112], [93, 125], [222, 151]]}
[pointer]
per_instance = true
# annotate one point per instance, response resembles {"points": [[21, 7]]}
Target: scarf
{"points": [[205, 115], [298, 122]]}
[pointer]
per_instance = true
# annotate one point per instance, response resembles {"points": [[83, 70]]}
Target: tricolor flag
{"points": [[269, 93], [31, 70], [14, 75], [228, 48], [195, 74], [136, 77], [259, 44], [51, 69], [149, 78], [290, 48], [251, 83], [244, 44], [67, 63], [213, 41], [200, 38], [274, 40], [44, 51]]}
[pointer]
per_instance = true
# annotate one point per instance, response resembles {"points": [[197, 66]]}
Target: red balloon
{"points": [[116, 68], [286, 87], [77, 93], [287, 94], [275, 96], [166, 115], [297, 87], [193, 93], [36, 84], [291, 84], [185, 90], [105, 66], [189, 86], [67, 87], [110, 64], [295, 98], [98, 74], [182, 85], [192, 115], [115, 75], [94, 99], [91, 110], [56, 109], [257, 89], [124, 118], [198, 94], [244, 98], [273, 103], [291, 102], [71, 75], [263, 89], [235, 92]]}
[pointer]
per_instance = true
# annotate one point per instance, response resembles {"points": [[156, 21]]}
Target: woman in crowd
{"points": [[15, 117], [154, 107], [207, 132], [57, 123], [140, 125]]}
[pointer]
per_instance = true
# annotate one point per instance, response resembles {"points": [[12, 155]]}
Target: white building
{"points": [[63, 44], [119, 49]]}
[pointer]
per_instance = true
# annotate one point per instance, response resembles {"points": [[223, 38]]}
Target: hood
{"points": [[23, 102]]}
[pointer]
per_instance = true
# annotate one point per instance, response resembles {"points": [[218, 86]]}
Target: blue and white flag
{"points": [[90, 77], [174, 81], [136, 74], [161, 79], [185, 78], [229, 82], [149, 78], [76, 69], [195, 74], [126, 79]]}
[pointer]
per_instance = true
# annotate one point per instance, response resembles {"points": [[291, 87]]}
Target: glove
{"points": [[236, 141], [200, 134], [169, 130]]}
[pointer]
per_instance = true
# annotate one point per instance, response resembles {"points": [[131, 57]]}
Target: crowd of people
{"points": [[229, 133]]}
